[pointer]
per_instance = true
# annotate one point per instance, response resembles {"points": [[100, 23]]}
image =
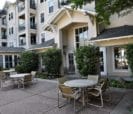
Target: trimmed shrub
{"points": [[28, 62], [87, 59], [52, 59]]}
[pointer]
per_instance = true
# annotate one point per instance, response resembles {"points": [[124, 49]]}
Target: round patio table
{"points": [[22, 75], [81, 83]]}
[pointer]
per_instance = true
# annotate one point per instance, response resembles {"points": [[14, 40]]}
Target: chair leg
{"points": [[74, 106], [58, 100], [101, 98]]}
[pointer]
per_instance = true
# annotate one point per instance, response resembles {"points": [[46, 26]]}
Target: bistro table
{"points": [[22, 75], [17, 77], [82, 84]]}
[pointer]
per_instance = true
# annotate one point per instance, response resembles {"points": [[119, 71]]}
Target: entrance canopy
{"points": [[65, 16]]}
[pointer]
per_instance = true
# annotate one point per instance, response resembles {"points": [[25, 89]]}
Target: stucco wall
{"points": [[121, 20]]}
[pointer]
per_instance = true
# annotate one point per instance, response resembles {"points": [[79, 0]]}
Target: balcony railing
{"points": [[32, 6], [21, 8], [64, 2], [33, 26], [21, 28], [3, 23], [4, 37]]}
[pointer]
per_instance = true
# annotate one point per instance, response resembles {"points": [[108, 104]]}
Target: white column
{"points": [[13, 64], [4, 66]]}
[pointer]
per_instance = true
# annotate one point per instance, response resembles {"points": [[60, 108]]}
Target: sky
{"points": [[2, 2]]}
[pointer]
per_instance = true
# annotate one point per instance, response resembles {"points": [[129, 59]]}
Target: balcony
{"points": [[64, 2], [4, 36], [32, 5], [4, 23], [33, 26], [21, 8], [21, 28]]}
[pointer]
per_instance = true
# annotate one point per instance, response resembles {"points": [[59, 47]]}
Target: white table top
{"points": [[80, 83], [8, 71], [19, 75]]}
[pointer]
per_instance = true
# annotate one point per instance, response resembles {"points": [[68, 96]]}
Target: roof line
{"points": [[113, 38]]}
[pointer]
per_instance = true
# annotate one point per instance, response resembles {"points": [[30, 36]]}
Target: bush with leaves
{"points": [[28, 62], [129, 50], [87, 59], [52, 60]]}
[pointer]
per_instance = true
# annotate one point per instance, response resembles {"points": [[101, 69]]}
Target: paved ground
{"points": [[41, 98]]}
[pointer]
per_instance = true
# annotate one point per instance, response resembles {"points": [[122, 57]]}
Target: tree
{"points": [[87, 59], [52, 60], [105, 8], [28, 62]]}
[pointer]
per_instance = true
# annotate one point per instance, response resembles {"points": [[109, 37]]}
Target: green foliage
{"points": [[129, 50], [87, 59], [105, 8], [121, 84], [28, 62], [52, 59]]}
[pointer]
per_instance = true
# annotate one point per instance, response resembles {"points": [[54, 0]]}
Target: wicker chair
{"points": [[2, 78], [33, 74], [26, 80], [68, 93]]}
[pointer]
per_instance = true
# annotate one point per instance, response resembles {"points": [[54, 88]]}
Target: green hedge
{"points": [[28, 62], [87, 59]]}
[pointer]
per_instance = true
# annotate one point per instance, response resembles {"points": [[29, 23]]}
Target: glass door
{"points": [[71, 68]]}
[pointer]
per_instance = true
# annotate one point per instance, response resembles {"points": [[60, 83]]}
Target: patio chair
{"points": [[69, 94], [26, 80], [33, 74], [95, 93], [93, 77], [99, 91], [62, 80]]}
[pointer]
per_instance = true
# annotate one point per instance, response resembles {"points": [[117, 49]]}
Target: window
{"points": [[16, 60], [41, 1], [12, 15], [81, 35], [120, 58], [33, 39], [51, 6], [22, 40], [4, 44], [4, 21], [8, 61], [9, 17], [12, 30], [42, 17], [42, 37]]}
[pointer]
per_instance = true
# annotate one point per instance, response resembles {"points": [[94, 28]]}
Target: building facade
{"points": [[33, 24]]}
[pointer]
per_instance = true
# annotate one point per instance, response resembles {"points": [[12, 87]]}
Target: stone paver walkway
{"points": [[41, 98]]}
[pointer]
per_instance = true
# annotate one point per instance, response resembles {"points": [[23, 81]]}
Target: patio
{"points": [[41, 98]]}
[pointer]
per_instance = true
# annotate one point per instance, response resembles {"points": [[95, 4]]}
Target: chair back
{"points": [[62, 80], [104, 84], [28, 78], [93, 77], [2, 75], [66, 91]]}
